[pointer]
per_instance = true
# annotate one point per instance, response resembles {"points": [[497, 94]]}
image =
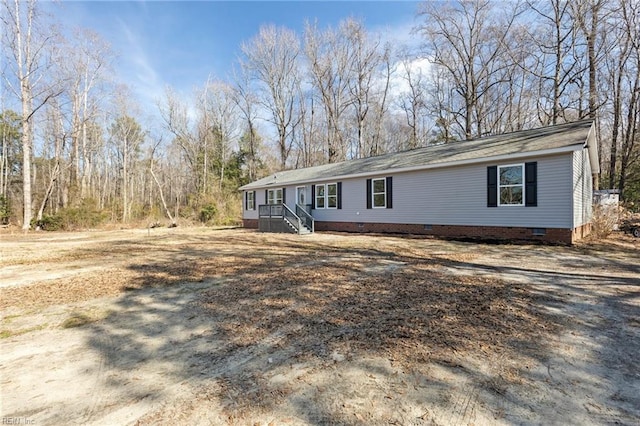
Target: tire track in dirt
{"points": [[225, 369], [464, 409], [96, 393], [243, 357]]}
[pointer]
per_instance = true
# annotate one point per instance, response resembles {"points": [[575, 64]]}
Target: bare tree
{"points": [[413, 101], [554, 41], [443, 106], [126, 137], [587, 14], [272, 59], [328, 61], [617, 65], [30, 47], [307, 136], [467, 41], [381, 104], [10, 139], [179, 121], [220, 122], [55, 136], [364, 59], [87, 61], [246, 101], [159, 185], [629, 13]]}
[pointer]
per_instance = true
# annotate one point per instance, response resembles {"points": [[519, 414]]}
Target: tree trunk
{"points": [[631, 135], [164, 202], [125, 181], [26, 169], [26, 96], [52, 181]]}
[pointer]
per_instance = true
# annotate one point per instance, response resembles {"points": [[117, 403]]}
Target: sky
{"points": [[182, 44]]}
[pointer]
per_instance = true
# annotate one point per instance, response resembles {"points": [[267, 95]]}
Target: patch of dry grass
{"points": [[412, 313]]}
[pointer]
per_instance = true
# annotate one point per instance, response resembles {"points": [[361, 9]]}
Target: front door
{"points": [[301, 195]]}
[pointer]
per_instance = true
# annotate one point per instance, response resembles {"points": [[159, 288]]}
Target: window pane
{"points": [[511, 175], [274, 196], [332, 201], [379, 200], [511, 195], [378, 186], [319, 196], [332, 189]]}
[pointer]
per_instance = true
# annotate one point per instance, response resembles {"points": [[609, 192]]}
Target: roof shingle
{"points": [[569, 135]]}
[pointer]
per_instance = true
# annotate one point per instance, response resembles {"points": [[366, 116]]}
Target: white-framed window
{"points": [[327, 196], [320, 194], [251, 202], [274, 196], [302, 195], [379, 193], [332, 196], [511, 185]]}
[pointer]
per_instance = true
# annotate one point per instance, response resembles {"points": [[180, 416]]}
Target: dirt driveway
{"points": [[202, 326]]}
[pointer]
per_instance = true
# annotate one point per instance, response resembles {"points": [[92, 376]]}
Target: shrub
{"points": [[82, 217], [49, 223], [605, 220], [208, 213], [5, 210]]}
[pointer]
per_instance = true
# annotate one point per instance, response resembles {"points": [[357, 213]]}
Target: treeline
{"points": [[77, 152]]}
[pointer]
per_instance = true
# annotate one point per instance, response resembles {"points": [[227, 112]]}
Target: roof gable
{"points": [[558, 138]]}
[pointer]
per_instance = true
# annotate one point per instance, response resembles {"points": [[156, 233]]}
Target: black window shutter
{"points": [[492, 186], [313, 197], [246, 200], [339, 195], [254, 200], [368, 193], [284, 195], [389, 189], [531, 184], [266, 196]]}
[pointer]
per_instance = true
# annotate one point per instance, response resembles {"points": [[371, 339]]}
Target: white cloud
{"points": [[398, 34], [138, 71], [419, 69]]}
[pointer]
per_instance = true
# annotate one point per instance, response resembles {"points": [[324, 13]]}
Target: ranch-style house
{"points": [[531, 184]]}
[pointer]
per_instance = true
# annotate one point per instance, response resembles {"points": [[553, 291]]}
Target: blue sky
{"points": [[181, 44]]}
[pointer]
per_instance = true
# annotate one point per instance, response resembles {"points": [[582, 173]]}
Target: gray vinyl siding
{"points": [[290, 199], [252, 214], [458, 196], [582, 188]]}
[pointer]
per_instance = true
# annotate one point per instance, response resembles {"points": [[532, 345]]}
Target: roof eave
{"points": [[592, 148], [512, 156]]}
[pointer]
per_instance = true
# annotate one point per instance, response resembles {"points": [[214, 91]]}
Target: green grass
{"points": [[4, 334], [78, 319]]}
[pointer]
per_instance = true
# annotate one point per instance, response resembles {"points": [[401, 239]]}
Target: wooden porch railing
{"points": [[280, 218]]}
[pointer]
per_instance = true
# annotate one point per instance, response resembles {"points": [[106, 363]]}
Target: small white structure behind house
{"points": [[609, 201]]}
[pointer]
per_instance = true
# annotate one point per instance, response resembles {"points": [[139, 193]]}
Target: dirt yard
{"points": [[203, 326]]}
